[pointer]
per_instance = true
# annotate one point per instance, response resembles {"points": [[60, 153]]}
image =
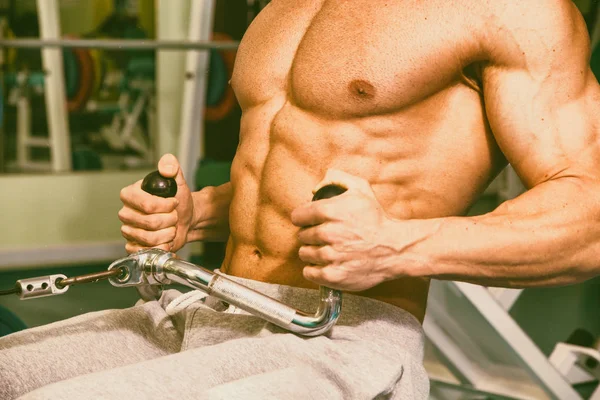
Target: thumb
{"points": [[169, 167]]}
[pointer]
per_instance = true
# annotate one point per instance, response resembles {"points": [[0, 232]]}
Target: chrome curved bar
{"points": [[157, 267]]}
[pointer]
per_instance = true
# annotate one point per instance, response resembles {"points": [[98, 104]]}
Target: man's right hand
{"points": [[151, 221]]}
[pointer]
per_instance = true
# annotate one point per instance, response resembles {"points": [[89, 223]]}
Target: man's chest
{"points": [[355, 57]]}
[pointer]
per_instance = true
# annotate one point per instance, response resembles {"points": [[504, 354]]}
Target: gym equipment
{"points": [[25, 25], [36, 79], [59, 141], [76, 68], [474, 343], [71, 69], [85, 81], [218, 78], [136, 93], [579, 364], [51, 285], [115, 44], [157, 185], [150, 269], [215, 112], [99, 69], [78, 85], [158, 267], [191, 122], [11, 53]]}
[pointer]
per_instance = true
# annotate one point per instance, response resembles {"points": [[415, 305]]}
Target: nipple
{"points": [[362, 89]]}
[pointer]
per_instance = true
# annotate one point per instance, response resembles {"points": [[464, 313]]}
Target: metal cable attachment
{"points": [[41, 286], [157, 267]]}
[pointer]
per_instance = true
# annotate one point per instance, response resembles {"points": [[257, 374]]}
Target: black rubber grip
{"points": [[328, 191], [156, 184]]}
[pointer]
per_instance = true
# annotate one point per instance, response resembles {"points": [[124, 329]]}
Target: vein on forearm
{"points": [[549, 235]]}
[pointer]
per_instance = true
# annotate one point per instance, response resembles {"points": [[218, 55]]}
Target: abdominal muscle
{"points": [[415, 165]]}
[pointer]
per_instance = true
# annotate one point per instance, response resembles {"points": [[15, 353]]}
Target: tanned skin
{"points": [[414, 107]]}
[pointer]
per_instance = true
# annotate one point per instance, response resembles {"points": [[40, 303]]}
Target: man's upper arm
{"points": [[541, 98]]}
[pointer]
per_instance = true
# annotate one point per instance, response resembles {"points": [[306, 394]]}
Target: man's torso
{"points": [[374, 88]]}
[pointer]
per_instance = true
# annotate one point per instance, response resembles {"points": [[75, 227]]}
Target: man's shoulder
{"points": [[525, 29], [529, 13]]}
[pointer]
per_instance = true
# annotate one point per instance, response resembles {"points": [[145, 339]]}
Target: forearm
{"points": [[550, 235], [211, 214]]}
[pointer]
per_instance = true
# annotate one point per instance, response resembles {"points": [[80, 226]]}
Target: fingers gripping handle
{"points": [[328, 191], [276, 312], [157, 185], [164, 268]]}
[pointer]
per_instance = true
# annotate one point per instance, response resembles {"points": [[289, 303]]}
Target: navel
{"points": [[362, 89], [257, 254]]}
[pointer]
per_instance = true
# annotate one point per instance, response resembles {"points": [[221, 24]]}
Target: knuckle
{"points": [[123, 193], [153, 223], [309, 273], [326, 253], [133, 247], [333, 276], [302, 253], [157, 222], [147, 206], [328, 210], [125, 231], [122, 214], [146, 238], [324, 233]]}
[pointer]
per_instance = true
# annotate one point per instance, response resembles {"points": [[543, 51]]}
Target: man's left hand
{"points": [[347, 239]]}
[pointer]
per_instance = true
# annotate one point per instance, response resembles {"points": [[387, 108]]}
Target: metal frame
{"points": [[23, 129], [156, 267], [3, 24], [570, 361], [506, 297], [532, 357], [191, 134], [440, 390], [123, 44], [172, 24], [122, 133], [56, 99], [191, 146], [483, 348]]}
